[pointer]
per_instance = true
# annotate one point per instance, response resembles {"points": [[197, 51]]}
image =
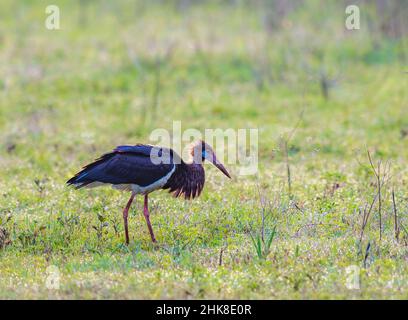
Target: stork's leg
{"points": [[125, 216], [146, 214]]}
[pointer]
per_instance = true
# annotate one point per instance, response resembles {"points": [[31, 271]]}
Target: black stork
{"points": [[141, 169]]}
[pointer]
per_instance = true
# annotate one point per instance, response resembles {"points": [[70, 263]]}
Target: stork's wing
{"points": [[126, 165]]}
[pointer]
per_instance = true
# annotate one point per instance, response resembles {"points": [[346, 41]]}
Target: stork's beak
{"points": [[220, 166]]}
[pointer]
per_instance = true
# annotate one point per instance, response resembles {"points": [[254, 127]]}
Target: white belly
{"points": [[145, 189]]}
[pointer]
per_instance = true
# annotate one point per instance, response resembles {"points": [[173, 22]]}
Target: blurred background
{"points": [[118, 69], [319, 94]]}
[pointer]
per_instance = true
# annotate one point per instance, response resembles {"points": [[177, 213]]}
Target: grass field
{"points": [[115, 71]]}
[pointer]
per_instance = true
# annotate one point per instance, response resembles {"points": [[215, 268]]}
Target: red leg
{"points": [[146, 214], [125, 216]]}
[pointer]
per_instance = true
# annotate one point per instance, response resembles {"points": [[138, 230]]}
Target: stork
{"points": [[142, 169]]}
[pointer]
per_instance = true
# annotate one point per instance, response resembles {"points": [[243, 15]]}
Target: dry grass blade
{"points": [[396, 224]]}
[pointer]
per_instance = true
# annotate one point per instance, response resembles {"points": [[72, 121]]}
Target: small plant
{"points": [[381, 173], [30, 236], [4, 237], [285, 148], [4, 234], [100, 228], [263, 246]]}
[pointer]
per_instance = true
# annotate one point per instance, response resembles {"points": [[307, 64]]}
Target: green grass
{"points": [[67, 96]]}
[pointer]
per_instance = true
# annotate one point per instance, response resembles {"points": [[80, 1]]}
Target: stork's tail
{"points": [[84, 178], [79, 180]]}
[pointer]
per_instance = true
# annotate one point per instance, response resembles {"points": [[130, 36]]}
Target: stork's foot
{"points": [[125, 218], [149, 226], [147, 217]]}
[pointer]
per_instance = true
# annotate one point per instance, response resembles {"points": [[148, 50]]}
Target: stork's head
{"points": [[201, 151]]}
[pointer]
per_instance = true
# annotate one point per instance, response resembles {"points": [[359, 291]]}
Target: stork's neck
{"points": [[187, 179], [192, 171]]}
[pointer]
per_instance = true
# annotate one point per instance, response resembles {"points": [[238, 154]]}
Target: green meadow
{"points": [[326, 215]]}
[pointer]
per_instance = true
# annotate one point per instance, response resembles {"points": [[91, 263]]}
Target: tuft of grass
{"points": [[263, 246]]}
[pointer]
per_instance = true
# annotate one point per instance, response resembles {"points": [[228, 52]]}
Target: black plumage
{"points": [[142, 169], [125, 165], [187, 180]]}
